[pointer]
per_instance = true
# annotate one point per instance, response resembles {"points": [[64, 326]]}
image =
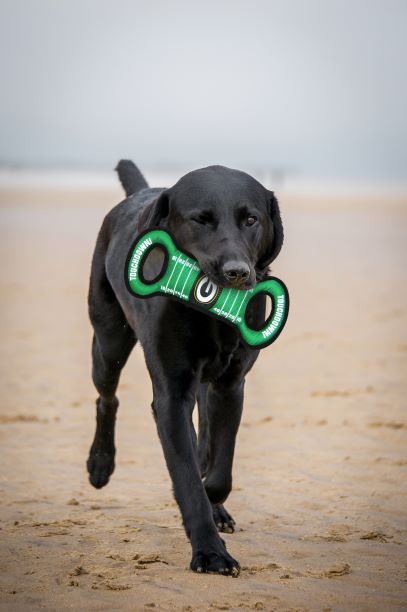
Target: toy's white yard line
{"points": [[240, 306], [233, 303], [179, 275], [173, 270], [222, 312], [186, 280]]}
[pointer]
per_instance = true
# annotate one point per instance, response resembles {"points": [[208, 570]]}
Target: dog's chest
{"points": [[221, 346]]}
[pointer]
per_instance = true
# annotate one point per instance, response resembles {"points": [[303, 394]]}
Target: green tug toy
{"points": [[182, 279]]}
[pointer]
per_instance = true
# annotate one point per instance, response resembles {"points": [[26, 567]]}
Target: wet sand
{"points": [[320, 493]]}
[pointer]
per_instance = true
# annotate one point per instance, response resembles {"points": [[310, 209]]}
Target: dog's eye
{"points": [[203, 219], [251, 220]]}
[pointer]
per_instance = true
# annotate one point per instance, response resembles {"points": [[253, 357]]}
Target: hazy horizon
{"points": [[312, 90]]}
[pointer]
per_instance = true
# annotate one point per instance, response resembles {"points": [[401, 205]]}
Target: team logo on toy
{"points": [[206, 291]]}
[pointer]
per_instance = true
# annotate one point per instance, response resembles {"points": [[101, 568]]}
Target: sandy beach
{"points": [[320, 487]]}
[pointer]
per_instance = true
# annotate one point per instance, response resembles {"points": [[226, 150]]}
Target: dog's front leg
{"points": [[174, 399], [224, 411]]}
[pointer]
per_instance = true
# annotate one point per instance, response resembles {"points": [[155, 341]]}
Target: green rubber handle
{"points": [[182, 279]]}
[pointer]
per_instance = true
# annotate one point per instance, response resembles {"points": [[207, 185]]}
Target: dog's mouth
{"points": [[215, 278], [242, 285]]}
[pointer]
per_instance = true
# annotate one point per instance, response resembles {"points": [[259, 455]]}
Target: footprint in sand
{"points": [[388, 424], [107, 580], [341, 392], [110, 586], [21, 418], [254, 569], [379, 536], [336, 570], [79, 570], [143, 560]]}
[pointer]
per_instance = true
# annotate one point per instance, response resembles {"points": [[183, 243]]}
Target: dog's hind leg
{"points": [[113, 342], [108, 360]]}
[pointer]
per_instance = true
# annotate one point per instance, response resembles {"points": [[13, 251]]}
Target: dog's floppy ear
{"points": [[152, 215], [274, 236]]}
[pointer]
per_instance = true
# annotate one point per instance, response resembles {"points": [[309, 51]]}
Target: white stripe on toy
{"points": [[186, 280], [222, 312], [179, 275], [241, 304], [231, 308], [176, 263]]}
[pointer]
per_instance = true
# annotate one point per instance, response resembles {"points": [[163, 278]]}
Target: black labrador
{"points": [[231, 224]]}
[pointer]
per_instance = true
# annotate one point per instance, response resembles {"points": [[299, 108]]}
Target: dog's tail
{"points": [[130, 177]]}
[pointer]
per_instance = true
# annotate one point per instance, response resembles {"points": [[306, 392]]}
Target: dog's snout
{"points": [[236, 272]]}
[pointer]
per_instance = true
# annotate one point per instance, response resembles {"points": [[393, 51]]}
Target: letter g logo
{"points": [[206, 291]]}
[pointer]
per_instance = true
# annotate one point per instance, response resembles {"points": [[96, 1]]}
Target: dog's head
{"points": [[226, 219]]}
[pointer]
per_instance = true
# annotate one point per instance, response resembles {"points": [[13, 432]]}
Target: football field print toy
{"points": [[182, 279]]}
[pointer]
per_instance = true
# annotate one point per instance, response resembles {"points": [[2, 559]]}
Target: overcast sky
{"points": [[317, 88]]}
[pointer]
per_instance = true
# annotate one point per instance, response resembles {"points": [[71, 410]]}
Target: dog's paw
{"points": [[100, 466], [223, 521], [216, 559]]}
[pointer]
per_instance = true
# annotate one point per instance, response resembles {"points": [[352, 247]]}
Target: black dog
{"points": [[231, 224]]}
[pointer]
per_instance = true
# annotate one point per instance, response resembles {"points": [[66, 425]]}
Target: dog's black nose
{"points": [[236, 272]]}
